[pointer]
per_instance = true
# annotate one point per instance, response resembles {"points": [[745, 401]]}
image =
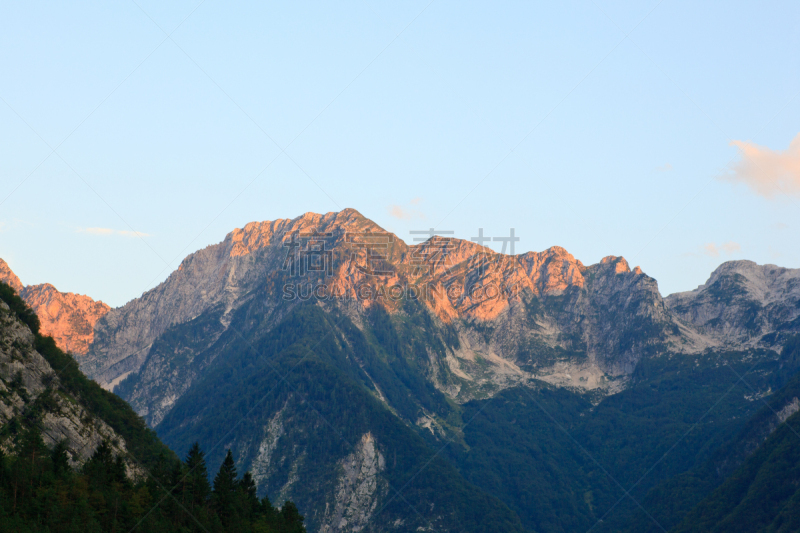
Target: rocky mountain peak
{"points": [[364, 265], [67, 317], [7, 276], [258, 235], [742, 302], [762, 283], [620, 264]]}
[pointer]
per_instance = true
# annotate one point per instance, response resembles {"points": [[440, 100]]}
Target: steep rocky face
{"points": [[743, 303], [7, 276], [547, 316], [220, 277], [538, 315], [67, 317], [359, 489], [30, 387]]}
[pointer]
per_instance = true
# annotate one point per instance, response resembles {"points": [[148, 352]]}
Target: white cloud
{"points": [[768, 173], [398, 212], [132, 233], [109, 231], [731, 247], [402, 213], [666, 167], [15, 223], [97, 231], [713, 250]]}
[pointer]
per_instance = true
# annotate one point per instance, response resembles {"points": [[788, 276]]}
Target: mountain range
{"points": [[444, 386]]}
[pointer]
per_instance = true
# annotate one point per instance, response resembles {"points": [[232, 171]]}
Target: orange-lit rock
{"points": [[67, 317], [8, 277]]}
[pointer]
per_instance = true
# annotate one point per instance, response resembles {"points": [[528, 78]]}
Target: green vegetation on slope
{"points": [[671, 500], [556, 459], [329, 405], [39, 493], [763, 495]]}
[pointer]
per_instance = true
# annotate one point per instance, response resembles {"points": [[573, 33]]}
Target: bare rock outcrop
{"points": [[28, 384], [358, 491], [743, 303], [67, 317], [7, 276], [220, 277]]}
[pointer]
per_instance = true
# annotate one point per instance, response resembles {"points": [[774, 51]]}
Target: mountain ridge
{"points": [[456, 280], [68, 317], [743, 303]]}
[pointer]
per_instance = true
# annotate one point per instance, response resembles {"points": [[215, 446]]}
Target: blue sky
{"points": [[608, 128]]}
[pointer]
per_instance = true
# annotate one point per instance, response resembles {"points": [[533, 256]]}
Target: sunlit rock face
{"points": [[67, 317], [539, 315], [7, 276]]}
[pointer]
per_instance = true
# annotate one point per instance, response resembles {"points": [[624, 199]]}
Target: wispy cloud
{"points": [[109, 231], [398, 212], [97, 231], [15, 223], [779, 225], [666, 167], [713, 250], [404, 213], [768, 173], [132, 233]]}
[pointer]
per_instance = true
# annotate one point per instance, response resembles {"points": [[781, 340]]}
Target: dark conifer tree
{"points": [[103, 468], [60, 459], [225, 485], [196, 480], [292, 519], [248, 490]]}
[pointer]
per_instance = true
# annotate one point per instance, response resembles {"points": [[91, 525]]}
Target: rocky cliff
{"points": [[67, 317], [7, 276], [538, 315], [743, 304], [31, 392]]}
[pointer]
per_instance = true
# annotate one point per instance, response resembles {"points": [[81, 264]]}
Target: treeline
{"points": [[40, 493]]}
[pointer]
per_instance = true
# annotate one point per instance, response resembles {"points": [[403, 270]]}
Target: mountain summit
{"points": [[67, 317], [550, 316], [743, 303]]}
